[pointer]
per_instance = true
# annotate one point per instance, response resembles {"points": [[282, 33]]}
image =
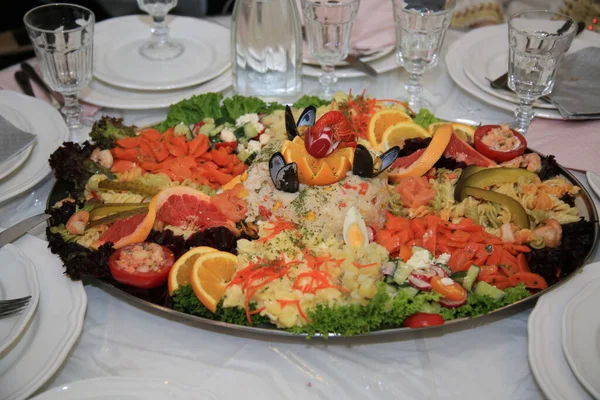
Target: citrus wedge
{"points": [[464, 131], [428, 157], [396, 134], [382, 120], [209, 277], [180, 271], [125, 231]]}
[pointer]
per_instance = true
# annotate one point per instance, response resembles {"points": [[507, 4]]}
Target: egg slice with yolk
{"points": [[355, 229]]}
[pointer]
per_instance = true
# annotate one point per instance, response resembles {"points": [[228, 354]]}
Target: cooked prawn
{"points": [[532, 162], [551, 232], [102, 157], [63, 201], [543, 202], [76, 224]]}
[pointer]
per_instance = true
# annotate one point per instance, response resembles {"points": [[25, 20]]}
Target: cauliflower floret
{"points": [[227, 135]]}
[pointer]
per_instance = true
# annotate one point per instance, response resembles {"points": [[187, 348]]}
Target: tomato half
{"points": [[497, 154], [421, 320], [454, 292], [143, 280]]}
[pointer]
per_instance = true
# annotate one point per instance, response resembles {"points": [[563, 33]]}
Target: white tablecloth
{"points": [[486, 359]]}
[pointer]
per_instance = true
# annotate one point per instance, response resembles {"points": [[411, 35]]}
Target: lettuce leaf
{"points": [[307, 100], [237, 105], [192, 110], [425, 118]]}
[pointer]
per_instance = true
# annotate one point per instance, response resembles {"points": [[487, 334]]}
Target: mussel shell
{"points": [[308, 117], [388, 158], [287, 179], [276, 163], [363, 162], [290, 124]]}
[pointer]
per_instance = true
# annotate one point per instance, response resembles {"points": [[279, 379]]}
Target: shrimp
{"points": [[76, 224], [514, 163], [63, 201], [543, 202], [102, 157], [551, 232], [532, 162]]}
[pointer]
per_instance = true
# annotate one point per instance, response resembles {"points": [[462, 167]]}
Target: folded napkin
{"points": [[13, 141], [576, 144], [576, 92], [8, 82]]}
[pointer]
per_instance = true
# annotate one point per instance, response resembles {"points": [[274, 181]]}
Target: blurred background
{"points": [[15, 45]]}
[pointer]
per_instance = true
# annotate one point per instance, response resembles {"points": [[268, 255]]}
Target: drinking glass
{"points": [[160, 46], [62, 37], [537, 41], [328, 24], [420, 29]]}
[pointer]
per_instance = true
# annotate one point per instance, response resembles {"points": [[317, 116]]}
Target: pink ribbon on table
{"points": [[8, 82], [575, 144]]}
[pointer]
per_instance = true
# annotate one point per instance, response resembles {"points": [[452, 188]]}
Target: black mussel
{"points": [[308, 117], [290, 124], [287, 179], [364, 165], [284, 177], [276, 162]]}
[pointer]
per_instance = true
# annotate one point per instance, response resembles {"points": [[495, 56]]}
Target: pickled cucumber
{"points": [[129, 186], [112, 208], [116, 216]]}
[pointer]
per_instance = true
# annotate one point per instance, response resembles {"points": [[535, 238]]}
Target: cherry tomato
{"points": [[420, 320], [327, 133], [143, 280], [495, 154], [454, 292]]}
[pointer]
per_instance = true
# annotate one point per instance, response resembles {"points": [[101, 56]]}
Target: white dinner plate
{"points": [[456, 55], [53, 330], [17, 119], [111, 388], [594, 181], [376, 55], [488, 58], [381, 65], [17, 279], [105, 95], [118, 61], [581, 336], [40, 118], [544, 328]]}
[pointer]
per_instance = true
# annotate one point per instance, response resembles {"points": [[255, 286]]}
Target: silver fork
{"points": [[13, 306]]}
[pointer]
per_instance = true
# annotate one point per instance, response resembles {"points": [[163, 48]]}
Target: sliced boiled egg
{"points": [[355, 229]]}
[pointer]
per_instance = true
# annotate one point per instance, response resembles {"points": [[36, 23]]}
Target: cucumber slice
{"points": [[409, 290], [471, 276], [485, 289], [402, 272], [458, 276], [250, 131], [392, 291], [206, 129]]}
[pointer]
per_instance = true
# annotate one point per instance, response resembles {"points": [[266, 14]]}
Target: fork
{"points": [[13, 306]]}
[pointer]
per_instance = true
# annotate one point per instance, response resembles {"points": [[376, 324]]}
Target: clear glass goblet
{"points": [[538, 40], [420, 29], [62, 36], [328, 24], [160, 46]]}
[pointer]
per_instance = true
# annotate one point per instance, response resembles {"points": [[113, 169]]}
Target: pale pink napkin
{"points": [[575, 144], [8, 82]]}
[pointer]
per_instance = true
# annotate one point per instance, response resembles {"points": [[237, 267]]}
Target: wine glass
{"points": [[62, 37], [160, 46], [420, 29], [328, 27], [538, 40]]}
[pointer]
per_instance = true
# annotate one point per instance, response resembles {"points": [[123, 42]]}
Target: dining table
{"points": [[482, 358]]}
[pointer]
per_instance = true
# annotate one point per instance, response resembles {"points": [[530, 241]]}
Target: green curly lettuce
{"points": [[107, 130]]}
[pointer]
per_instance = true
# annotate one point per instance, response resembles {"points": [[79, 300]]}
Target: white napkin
{"points": [[13, 141]]}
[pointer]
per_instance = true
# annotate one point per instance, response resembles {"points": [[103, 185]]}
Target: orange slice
{"points": [[428, 158], [382, 120], [210, 275], [396, 134], [464, 131], [180, 271]]}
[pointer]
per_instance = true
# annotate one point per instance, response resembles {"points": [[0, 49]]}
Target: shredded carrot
{"points": [[280, 226], [357, 265]]}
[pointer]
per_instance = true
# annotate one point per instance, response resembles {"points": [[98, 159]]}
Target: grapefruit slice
{"points": [[428, 157], [460, 150], [182, 269], [128, 230], [209, 277], [188, 209]]}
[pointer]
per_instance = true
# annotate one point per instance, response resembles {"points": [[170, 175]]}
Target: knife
{"points": [[16, 231], [360, 65], [23, 81], [56, 99]]}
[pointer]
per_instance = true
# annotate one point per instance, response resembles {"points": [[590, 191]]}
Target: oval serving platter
{"points": [[583, 202]]}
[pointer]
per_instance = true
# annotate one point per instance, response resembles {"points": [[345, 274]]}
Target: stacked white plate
{"points": [[564, 338], [35, 342], [382, 60], [482, 54], [123, 78]]}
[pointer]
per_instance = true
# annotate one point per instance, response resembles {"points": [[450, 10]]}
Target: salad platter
{"points": [[351, 217]]}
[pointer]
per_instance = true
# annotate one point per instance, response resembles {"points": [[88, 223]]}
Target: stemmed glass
{"points": [[62, 37], [538, 40], [160, 46], [420, 29], [328, 27]]}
